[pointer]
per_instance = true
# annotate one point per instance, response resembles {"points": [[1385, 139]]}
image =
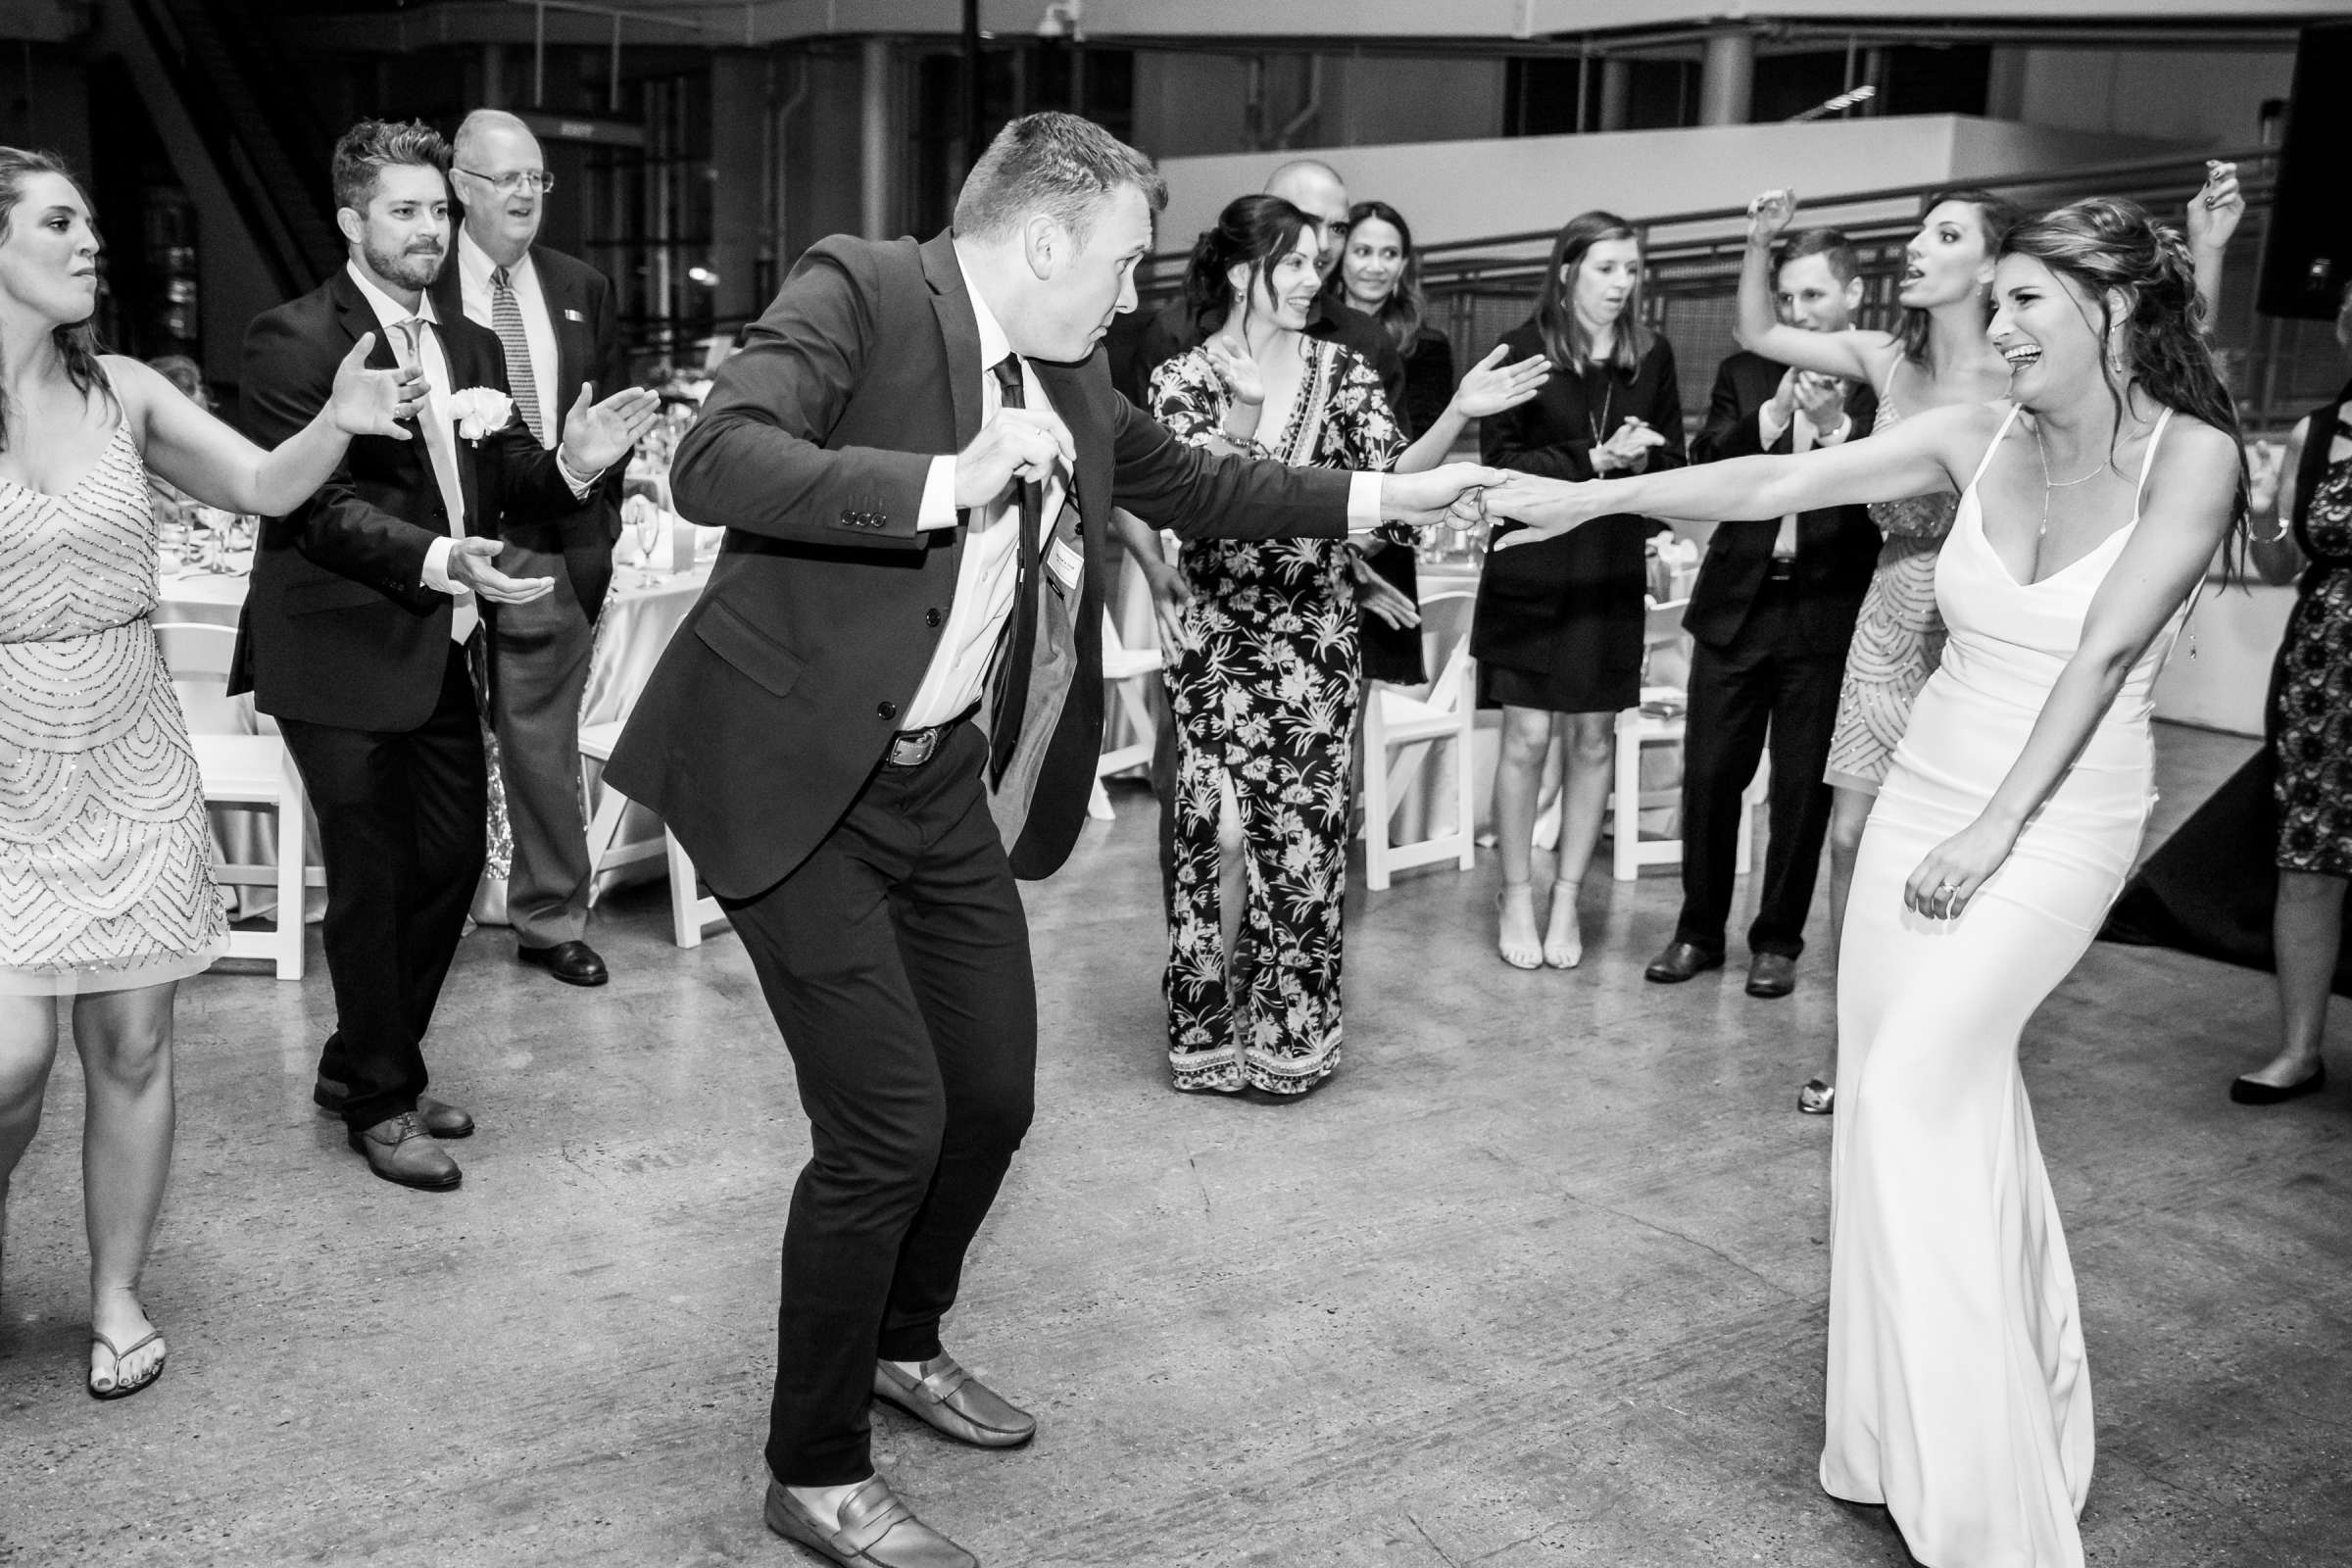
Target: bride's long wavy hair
{"points": [[77, 341], [2110, 249]]}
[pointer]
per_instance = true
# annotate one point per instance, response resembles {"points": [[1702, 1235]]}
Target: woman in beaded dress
{"points": [[107, 899], [2311, 739], [1262, 671]]}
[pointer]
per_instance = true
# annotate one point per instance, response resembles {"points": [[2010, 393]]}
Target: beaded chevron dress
{"points": [[106, 862]]}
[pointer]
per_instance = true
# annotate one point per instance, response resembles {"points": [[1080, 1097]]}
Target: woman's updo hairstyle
{"points": [[2108, 246], [1253, 231]]}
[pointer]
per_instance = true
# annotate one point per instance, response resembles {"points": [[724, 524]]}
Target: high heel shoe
{"points": [[1527, 958]]}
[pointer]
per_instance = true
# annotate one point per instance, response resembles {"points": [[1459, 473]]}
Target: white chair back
{"points": [[198, 656]]}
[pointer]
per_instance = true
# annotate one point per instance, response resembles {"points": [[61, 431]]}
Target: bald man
{"points": [[556, 319]]}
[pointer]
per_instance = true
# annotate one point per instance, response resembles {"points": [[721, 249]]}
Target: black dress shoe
{"points": [[2254, 1092], [576, 963], [1679, 962], [1771, 974]]}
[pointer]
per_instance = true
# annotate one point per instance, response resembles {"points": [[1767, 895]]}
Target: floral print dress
{"points": [[2311, 688], [1264, 692]]}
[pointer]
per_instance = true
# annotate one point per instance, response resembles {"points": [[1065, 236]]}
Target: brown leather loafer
{"points": [[953, 1400], [400, 1150], [1679, 962], [1771, 974], [877, 1531], [576, 963], [440, 1118]]}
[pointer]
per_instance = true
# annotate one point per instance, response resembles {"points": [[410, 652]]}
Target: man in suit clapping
{"points": [[888, 704], [1769, 617], [363, 605], [556, 323]]}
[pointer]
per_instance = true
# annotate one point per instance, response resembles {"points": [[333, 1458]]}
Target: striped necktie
{"points": [[506, 319]]}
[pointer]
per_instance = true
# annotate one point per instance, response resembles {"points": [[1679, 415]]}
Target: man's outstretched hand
{"points": [[1446, 494]]}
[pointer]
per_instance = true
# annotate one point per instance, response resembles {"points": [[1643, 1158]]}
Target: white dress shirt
{"points": [[432, 421], [1802, 437], [474, 268], [987, 576]]}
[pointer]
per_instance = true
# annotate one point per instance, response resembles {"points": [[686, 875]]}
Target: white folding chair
{"points": [[1659, 719], [691, 911], [1400, 725], [1127, 674], [254, 771]]}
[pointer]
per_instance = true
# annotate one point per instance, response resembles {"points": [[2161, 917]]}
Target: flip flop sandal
{"points": [[121, 1389]]}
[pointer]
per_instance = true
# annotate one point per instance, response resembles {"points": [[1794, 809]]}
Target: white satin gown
{"points": [[1958, 1396]]}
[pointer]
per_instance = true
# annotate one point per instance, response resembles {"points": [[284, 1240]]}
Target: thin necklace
{"points": [[2049, 484]]}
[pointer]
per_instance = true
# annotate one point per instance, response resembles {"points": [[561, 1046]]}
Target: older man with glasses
{"points": [[557, 320]]}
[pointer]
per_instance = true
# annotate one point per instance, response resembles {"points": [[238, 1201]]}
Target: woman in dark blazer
{"points": [[1558, 631]]}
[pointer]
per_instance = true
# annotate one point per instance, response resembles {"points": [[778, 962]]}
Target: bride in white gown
{"points": [[2091, 507]]}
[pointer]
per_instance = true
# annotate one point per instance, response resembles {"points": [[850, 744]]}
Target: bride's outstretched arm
{"points": [[1918, 456], [2189, 511]]}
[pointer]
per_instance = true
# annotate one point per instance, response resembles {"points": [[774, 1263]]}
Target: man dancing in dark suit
{"points": [[555, 320], [1770, 616], [363, 601], [887, 705]]}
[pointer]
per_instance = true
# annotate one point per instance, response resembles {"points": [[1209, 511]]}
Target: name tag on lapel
{"points": [[570, 315]]}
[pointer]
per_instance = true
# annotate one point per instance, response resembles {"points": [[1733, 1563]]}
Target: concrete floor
{"points": [[1539, 1279]]}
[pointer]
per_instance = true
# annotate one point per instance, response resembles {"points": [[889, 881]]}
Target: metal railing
{"points": [[1478, 289]]}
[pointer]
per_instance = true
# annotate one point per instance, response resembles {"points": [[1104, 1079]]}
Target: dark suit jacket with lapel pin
{"points": [[339, 627], [781, 691], [587, 327]]}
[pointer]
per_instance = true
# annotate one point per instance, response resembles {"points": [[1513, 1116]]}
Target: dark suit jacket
{"points": [[784, 686], [338, 627], [587, 327], [1837, 547]]}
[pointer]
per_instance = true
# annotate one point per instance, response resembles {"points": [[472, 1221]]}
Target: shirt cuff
{"points": [[1363, 502], [938, 509], [572, 476], [1769, 430], [436, 566], [1835, 433]]}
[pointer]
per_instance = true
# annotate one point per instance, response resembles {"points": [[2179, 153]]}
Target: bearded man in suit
{"points": [[365, 607], [888, 704]]}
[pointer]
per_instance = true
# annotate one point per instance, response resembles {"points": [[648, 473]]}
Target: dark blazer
{"points": [[587, 327], [1837, 547], [782, 689], [338, 626]]}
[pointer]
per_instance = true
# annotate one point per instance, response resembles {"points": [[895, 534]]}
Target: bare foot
{"points": [[1517, 941], [116, 1313], [1564, 942]]}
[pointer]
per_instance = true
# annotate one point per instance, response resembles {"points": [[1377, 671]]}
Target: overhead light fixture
{"points": [[1062, 21], [1838, 105], [703, 275]]}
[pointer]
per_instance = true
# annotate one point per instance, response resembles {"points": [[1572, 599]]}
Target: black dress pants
{"points": [[895, 961], [1767, 680], [401, 821]]}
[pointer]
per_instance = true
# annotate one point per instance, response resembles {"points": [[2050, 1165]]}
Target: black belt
{"points": [[912, 748]]}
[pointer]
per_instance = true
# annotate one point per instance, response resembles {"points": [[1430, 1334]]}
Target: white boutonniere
{"points": [[479, 411]]}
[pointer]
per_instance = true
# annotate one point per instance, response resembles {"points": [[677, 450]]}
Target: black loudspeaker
{"points": [[2307, 260]]}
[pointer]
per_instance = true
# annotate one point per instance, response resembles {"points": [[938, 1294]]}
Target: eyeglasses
{"points": [[537, 179]]}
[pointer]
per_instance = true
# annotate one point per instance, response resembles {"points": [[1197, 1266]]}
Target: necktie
{"points": [[506, 319], [1012, 692], [441, 456]]}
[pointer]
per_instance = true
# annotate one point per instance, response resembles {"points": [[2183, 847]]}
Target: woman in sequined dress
{"points": [[107, 899]]}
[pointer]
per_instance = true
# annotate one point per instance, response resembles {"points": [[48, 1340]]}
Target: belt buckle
{"points": [[914, 748]]}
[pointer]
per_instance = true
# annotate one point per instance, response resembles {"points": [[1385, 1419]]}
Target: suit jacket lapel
{"points": [[960, 329], [358, 319], [572, 348]]}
